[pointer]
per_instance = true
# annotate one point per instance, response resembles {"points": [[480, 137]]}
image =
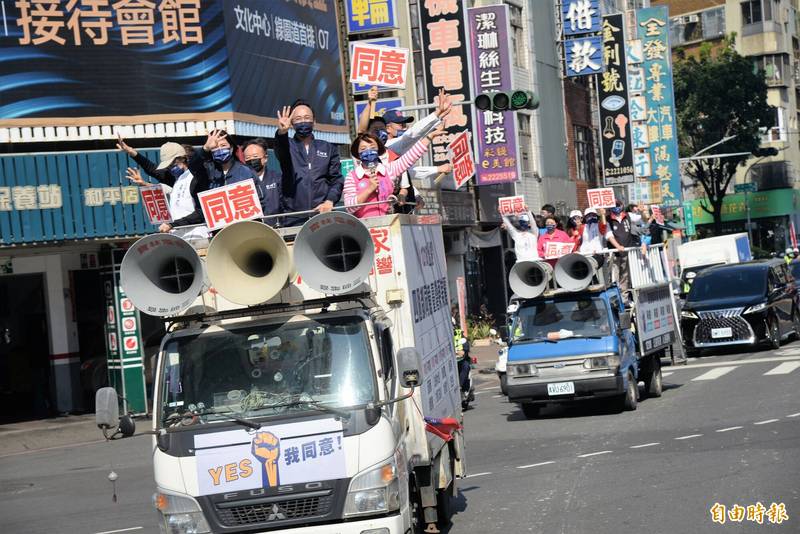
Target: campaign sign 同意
{"points": [[393, 42], [461, 158], [602, 197], [378, 65], [155, 204], [229, 204], [511, 205]]}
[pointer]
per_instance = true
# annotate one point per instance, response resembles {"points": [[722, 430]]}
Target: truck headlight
{"points": [[180, 515], [610, 361], [375, 491], [522, 369]]}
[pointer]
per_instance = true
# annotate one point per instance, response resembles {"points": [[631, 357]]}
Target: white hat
{"points": [[574, 213], [170, 151], [524, 218], [789, 250], [590, 210]]}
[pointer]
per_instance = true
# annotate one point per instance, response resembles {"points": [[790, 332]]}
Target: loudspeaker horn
{"points": [[529, 279], [574, 272], [162, 274], [333, 253], [248, 263]]}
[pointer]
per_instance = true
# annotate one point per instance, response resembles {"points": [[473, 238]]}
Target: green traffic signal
{"points": [[506, 101], [524, 100]]}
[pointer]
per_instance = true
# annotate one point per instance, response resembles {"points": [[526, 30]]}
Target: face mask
{"points": [[255, 164], [176, 171], [591, 220], [550, 227], [524, 225], [369, 155], [221, 155], [383, 135], [304, 129], [399, 133], [616, 211]]}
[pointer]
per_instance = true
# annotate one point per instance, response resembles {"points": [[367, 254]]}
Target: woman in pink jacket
{"points": [[551, 234], [373, 181]]}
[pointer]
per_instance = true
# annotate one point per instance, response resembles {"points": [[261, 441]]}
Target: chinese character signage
{"points": [[461, 158], [658, 132], [444, 62], [511, 205], [168, 60], [580, 16], [393, 42], [155, 204], [232, 203], [378, 65], [491, 71], [612, 95], [601, 198], [382, 105], [584, 56], [64, 196], [370, 15], [555, 249]]}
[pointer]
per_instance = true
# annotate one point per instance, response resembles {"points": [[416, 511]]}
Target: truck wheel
{"points": [[654, 384], [504, 384], [630, 399], [444, 507], [530, 410]]}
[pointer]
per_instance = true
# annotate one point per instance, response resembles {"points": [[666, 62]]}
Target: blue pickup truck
{"points": [[567, 346]]}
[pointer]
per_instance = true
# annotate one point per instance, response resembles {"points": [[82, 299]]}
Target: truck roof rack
{"points": [[364, 298]]}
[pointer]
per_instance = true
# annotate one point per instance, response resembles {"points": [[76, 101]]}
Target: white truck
{"points": [[700, 254], [313, 389]]}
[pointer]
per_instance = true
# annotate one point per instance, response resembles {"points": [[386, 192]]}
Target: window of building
{"points": [[517, 36], [584, 153], [775, 68], [777, 130], [751, 11]]}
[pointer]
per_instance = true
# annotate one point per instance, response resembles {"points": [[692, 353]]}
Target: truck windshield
{"points": [[582, 317], [266, 370]]}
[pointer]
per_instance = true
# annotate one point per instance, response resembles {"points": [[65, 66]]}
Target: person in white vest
{"points": [[525, 235], [183, 203]]}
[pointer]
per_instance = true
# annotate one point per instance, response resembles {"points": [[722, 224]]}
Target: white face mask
{"points": [[635, 217]]}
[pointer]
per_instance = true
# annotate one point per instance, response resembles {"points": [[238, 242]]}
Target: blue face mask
{"points": [[383, 135], [524, 225], [369, 155], [176, 171], [221, 155], [399, 133], [616, 210], [550, 227], [304, 129]]}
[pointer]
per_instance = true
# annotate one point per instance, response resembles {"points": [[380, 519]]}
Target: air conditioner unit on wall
{"points": [[692, 18]]}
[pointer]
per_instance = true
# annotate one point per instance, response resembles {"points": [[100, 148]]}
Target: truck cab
{"points": [[568, 346]]}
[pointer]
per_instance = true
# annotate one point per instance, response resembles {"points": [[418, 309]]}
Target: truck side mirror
{"points": [[625, 320], [106, 409], [409, 364]]}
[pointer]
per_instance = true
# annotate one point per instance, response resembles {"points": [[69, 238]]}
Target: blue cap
{"points": [[396, 117]]}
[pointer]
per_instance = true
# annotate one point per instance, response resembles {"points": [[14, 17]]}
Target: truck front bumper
{"points": [[381, 525], [587, 388]]}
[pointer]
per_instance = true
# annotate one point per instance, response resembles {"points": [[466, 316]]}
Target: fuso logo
{"points": [[126, 305], [131, 343]]}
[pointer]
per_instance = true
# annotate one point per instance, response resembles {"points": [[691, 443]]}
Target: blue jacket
{"points": [[309, 179], [270, 192]]}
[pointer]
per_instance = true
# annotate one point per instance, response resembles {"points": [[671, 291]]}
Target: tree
{"points": [[718, 95]]}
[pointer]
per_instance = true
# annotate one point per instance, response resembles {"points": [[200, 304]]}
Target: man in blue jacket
{"points": [[270, 182], [312, 177]]}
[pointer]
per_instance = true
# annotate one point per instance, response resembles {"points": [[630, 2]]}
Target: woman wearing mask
{"points": [[551, 235], [575, 228], [220, 162], [524, 235], [373, 181], [592, 240]]}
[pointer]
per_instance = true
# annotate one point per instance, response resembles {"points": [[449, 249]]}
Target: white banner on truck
{"points": [[654, 321]]}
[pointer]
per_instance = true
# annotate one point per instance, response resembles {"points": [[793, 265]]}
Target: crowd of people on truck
{"points": [[593, 232], [310, 178]]}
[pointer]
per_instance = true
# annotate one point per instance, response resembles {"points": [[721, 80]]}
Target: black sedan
{"points": [[748, 303]]}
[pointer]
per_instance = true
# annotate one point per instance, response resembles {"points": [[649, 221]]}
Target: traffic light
{"points": [[506, 100], [764, 152]]}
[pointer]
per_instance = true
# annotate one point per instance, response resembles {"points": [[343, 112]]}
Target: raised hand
{"points": [[212, 142], [284, 119], [372, 94], [122, 145], [444, 105], [135, 176]]}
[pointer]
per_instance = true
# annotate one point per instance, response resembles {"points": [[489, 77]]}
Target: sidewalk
{"points": [[48, 433], [487, 356]]}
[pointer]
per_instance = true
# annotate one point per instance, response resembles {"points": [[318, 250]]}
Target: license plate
{"points": [[717, 333], [561, 388]]}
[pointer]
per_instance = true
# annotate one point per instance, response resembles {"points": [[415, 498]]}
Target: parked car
{"points": [[749, 303]]}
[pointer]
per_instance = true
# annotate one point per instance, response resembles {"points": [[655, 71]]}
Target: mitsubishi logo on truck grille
{"points": [[276, 513]]}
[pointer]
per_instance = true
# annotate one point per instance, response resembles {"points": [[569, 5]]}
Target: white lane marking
{"points": [[489, 389], [643, 445], [768, 421], [594, 454], [794, 415], [734, 362], [715, 373], [534, 465], [497, 396], [664, 375], [730, 428], [481, 392], [690, 436], [783, 369], [120, 530], [479, 474]]}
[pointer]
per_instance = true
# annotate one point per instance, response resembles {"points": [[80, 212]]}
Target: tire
{"points": [[444, 508], [530, 410], [504, 384], [773, 334], [630, 400], [654, 384]]}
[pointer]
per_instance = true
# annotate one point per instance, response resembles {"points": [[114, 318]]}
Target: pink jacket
{"points": [[358, 179]]}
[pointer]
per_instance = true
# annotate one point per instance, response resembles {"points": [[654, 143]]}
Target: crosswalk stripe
{"points": [[783, 369], [713, 374], [664, 375]]}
